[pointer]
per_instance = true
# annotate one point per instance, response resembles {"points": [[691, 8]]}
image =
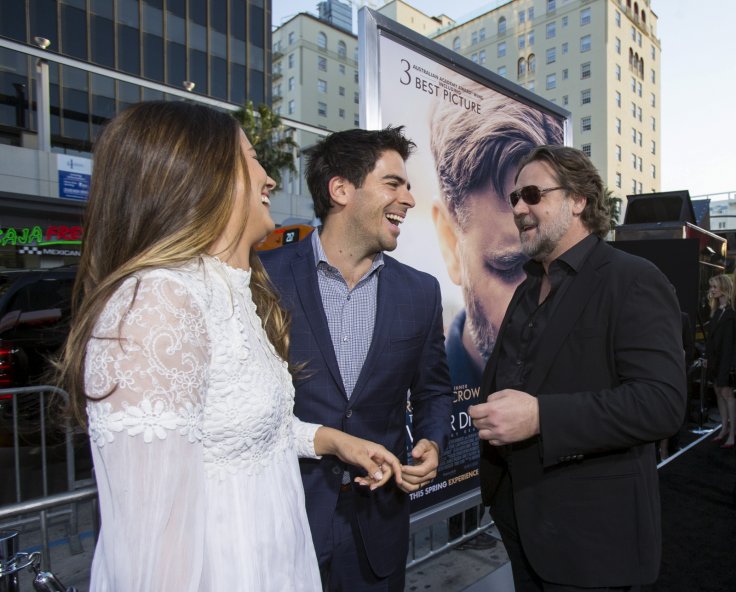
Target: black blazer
{"points": [[610, 380], [719, 345]]}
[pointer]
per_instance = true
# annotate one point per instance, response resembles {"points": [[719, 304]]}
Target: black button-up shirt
{"points": [[523, 334]]}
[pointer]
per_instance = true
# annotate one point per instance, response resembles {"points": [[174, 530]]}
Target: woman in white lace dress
{"points": [[176, 356]]}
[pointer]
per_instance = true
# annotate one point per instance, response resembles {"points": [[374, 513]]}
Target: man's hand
{"points": [[426, 455], [508, 416]]}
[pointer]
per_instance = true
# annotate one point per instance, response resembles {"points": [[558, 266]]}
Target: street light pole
{"points": [[43, 106]]}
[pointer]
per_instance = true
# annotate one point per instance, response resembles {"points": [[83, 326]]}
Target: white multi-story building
{"points": [[600, 59]]}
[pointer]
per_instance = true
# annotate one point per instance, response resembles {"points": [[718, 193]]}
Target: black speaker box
{"points": [[669, 206]]}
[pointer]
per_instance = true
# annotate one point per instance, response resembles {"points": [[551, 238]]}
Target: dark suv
{"points": [[35, 306]]}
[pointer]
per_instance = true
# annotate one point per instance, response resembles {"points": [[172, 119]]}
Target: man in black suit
{"points": [[586, 374]]}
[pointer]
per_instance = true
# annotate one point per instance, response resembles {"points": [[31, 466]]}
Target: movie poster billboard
{"points": [[470, 126]]}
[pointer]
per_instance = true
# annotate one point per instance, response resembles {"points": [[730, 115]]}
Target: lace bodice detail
{"points": [[184, 353]]}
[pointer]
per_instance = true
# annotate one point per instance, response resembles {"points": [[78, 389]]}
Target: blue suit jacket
{"points": [[406, 355]]}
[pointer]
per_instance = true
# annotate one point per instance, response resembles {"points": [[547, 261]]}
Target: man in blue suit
{"points": [[366, 336]]}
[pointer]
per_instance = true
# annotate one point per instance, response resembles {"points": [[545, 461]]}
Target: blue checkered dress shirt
{"points": [[351, 314]]}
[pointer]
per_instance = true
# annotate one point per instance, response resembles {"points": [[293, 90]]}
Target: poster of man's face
{"points": [[470, 139]]}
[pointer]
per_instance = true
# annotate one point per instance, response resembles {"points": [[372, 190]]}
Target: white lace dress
{"points": [[195, 452]]}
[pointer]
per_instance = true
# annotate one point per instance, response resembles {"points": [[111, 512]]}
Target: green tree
{"points": [[614, 207], [270, 138]]}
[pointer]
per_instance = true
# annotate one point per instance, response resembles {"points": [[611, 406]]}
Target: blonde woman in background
{"points": [[719, 352], [176, 355]]}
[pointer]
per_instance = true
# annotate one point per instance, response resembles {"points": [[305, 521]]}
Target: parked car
{"points": [[35, 307]]}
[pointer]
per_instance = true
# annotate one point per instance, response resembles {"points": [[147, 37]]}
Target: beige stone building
{"points": [[600, 59]]}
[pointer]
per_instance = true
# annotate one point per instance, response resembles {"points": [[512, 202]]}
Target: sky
{"points": [[698, 86]]}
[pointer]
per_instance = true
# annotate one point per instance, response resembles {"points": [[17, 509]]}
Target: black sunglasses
{"points": [[531, 194]]}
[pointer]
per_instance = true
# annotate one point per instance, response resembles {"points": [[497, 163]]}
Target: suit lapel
{"points": [[566, 312], [307, 288]]}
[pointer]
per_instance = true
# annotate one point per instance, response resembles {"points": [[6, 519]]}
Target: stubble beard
{"points": [[481, 329], [547, 236]]}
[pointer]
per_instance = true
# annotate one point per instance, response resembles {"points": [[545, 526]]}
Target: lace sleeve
{"points": [[304, 438], [150, 350]]}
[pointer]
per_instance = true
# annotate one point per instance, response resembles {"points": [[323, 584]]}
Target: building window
{"points": [[322, 86], [617, 44], [502, 25], [341, 90], [585, 97], [521, 68], [585, 16], [356, 120], [634, 160], [456, 44], [618, 180], [653, 53], [564, 74], [341, 113], [653, 76], [291, 60], [638, 88], [482, 34], [501, 70], [618, 126], [551, 5], [654, 124], [640, 139], [551, 81], [633, 135], [565, 100], [292, 37], [532, 63], [474, 38], [551, 55], [633, 186], [587, 150], [638, 113], [292, 106], [482, 56], [618, 99], [585, 124], [322, 109], [474, 58], [564, 22], [618, 153], [653, 149], [322, 63], [530, 38], [356, 97], [618, 72], [321, 40], [522, 41], [585, 70], [564, 48], [530, 14], [342, 50], [585, 43], [618, 19], [356, 77], [502, 49], [341, 68], [292, 83], [633, 110], [551, 30], [522, 16]]}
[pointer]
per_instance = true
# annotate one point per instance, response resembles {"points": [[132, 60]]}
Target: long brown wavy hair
{"points": [[161, 194]]}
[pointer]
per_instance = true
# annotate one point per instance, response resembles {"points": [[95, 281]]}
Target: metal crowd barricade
{"points": [[15, 399], [429, 528]]}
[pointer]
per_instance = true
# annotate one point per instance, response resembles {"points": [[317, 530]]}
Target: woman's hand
{"points": [[378, 462]]}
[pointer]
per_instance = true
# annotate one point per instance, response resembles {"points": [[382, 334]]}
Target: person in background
{"points": [[720, 351], [176, 353], [586, 374], [366, 331]]}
